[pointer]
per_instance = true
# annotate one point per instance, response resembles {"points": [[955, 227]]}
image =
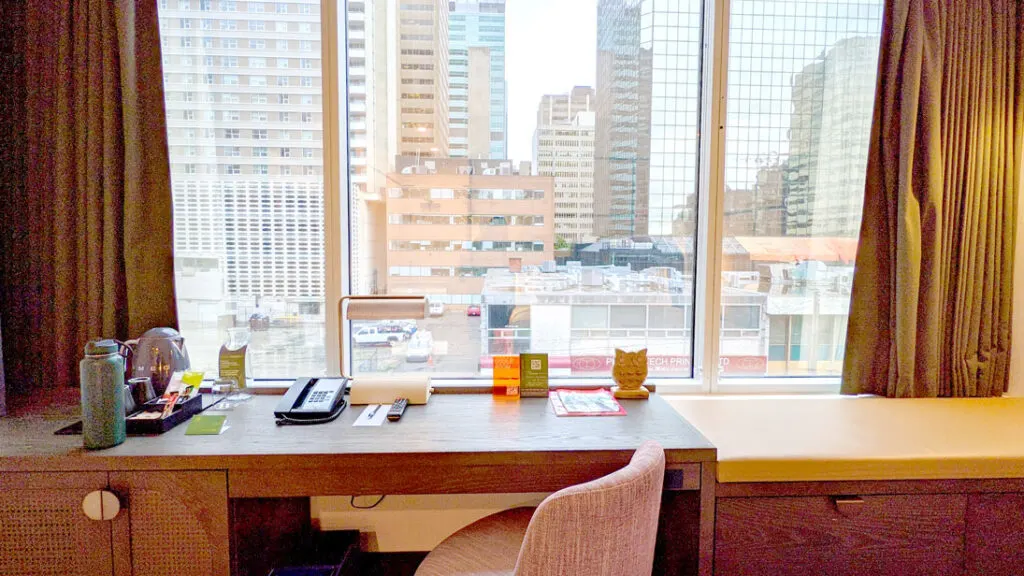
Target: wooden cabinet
{"points": [[174, 524], [43, 530], [995, 534], [169, 523], [841, 535]]}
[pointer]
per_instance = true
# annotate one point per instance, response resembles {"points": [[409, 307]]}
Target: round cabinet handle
{"points": [[101, 505]]}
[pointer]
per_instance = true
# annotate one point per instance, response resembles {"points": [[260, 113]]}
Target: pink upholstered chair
{"points": [[606, 527]]}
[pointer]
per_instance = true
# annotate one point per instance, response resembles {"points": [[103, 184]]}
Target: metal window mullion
{"points": [[715, 79], [337, 230]]}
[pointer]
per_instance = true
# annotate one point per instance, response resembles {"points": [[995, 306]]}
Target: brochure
{"points": [[585, 403]]}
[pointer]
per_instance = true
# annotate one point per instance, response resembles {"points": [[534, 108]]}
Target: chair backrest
{"points": [[606, 527]]}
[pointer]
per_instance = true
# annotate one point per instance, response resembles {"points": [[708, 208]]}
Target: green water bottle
{"points": [[101, 376]]}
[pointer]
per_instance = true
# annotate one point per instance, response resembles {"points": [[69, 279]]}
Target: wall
{"points": [[412, 523]]}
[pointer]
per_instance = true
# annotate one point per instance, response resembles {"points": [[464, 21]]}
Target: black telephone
{"points": [[312, 401]]}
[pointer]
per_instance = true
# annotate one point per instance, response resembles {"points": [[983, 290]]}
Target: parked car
{"points": [[473, 310], [420, 347], [259, 322], [377, 335], [436, 308]]}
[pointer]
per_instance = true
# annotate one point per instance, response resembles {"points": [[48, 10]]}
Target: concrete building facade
{"points": [[564, 149], [422, 76], [242, 85], [450, 221]]}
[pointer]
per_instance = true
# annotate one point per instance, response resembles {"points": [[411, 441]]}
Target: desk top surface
{"points": [[452, 428], [816, 438]]}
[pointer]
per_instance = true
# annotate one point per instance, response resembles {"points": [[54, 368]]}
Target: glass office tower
{"points": [[648, 86], [478, 110]]}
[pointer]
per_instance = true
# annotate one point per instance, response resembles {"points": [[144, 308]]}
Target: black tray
{"points": [[182, 412]]}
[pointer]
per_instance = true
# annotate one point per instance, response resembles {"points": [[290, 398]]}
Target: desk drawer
{"points": [[839, 535]]}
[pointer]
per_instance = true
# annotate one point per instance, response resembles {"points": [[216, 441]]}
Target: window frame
{"points": [[707, 317]]}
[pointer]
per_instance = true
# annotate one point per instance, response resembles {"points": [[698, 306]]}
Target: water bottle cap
{"points": [[101, 347]]}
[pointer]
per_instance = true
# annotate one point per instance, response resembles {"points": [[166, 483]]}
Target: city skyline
{"points": [[615, 172]]}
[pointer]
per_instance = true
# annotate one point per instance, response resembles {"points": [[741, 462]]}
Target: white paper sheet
{"points": [[372, 415]]}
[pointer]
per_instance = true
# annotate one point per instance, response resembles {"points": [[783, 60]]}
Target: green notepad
{"points": [[205, 424], [533, 370]]}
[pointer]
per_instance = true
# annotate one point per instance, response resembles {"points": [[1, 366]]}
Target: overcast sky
{"points": [[550, 46]]}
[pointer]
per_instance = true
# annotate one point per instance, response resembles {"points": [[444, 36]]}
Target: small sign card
{"points": [[206, 425], [533, 369]]}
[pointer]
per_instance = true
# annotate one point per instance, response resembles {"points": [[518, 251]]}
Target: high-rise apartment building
{"points": [[451, 220], [563, 148], [422, 71], [245, 134], [648, 84], [476, 30], [831, 114]]}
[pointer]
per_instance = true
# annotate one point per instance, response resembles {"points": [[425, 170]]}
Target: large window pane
{"points": [[531, 167], [246, 146], [801, 82]]}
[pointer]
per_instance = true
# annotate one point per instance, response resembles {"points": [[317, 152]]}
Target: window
{"points": [[228, 25], [227, 79], [633, 187], [231, 115], [230, 61], [231, 43], [206, 24], [186, 41], [228, 6], [186, 23], [233, 151]]}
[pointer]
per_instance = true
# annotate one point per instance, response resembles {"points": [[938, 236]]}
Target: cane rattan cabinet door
{"points": [[44, 530]]}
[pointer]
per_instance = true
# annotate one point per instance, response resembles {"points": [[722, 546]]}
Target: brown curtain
{"points": [[932, 292], [93, 225]]}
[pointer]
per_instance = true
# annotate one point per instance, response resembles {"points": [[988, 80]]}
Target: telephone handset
{"points": [[312, 401]]}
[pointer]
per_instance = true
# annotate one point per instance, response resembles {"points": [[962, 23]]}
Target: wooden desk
{"points": [[455, 444]]}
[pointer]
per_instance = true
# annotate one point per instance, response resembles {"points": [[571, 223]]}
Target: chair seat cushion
{"points": [[488, 547]]}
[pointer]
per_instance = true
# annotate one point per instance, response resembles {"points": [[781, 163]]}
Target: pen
{"points": [[370, 415]]}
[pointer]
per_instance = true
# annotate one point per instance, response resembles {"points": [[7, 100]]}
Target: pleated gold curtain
{"points": [[96, 220], [931, 309]]}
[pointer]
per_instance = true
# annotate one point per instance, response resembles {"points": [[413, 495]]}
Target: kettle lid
{"points": [[101, 347], [163, 333]]}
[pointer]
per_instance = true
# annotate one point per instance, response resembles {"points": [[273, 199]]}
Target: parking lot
{"points": [[299, 349]]}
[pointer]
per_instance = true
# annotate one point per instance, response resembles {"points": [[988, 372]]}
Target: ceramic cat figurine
{"points": [[629, 372]]}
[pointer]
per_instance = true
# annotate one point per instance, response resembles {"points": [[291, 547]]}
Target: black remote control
{"points": [[396, 410]]}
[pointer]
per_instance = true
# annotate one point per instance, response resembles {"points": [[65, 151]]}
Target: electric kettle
{"points": [[158, 354]]}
